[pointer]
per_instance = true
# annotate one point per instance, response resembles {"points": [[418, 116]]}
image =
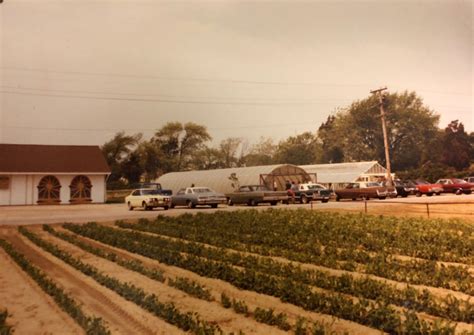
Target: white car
{"points": [[147, 199]]}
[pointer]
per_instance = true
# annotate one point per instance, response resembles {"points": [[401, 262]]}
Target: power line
{"points": [[151, 129], [199, 102], [169, 78], [171, 96]]}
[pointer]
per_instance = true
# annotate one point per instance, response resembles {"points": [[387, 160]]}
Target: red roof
{"points": [[20, 158]]}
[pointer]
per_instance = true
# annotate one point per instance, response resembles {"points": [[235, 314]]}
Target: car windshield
{"points": [[459, 181], [373, 184], [149, 192], [258, 188], [202, 190]]}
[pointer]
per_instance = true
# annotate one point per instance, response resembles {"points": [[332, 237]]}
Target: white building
{"points": [[338, 175], [52, 174]]}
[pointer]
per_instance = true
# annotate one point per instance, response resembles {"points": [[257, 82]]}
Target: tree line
{"points": [[418, 147]]}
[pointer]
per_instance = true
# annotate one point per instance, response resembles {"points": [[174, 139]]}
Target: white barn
{"points": [[52, 174]]}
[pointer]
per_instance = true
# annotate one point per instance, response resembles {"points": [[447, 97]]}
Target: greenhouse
{"points": [[338, 175], [227, 180]]}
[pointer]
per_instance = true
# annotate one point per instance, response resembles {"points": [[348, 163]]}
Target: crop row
{"points": [[377, 314], [167, 311], [196, 290], [365, 287], [91, 325], [183, 284], [421, 272], [436, 240]]}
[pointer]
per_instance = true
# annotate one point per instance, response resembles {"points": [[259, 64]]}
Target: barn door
{"points": [[80, 190], [49, 191]]}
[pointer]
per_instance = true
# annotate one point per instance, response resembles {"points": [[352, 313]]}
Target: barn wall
{"points": [[23, 189], [5, 194], [98, 188]]}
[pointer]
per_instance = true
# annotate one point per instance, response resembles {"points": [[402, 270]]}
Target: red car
{"points": [[457, 186], [424, 187]]}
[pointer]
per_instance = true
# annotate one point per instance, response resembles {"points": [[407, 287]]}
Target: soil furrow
{"points": [[25, 300], [122, 317], [252, 299]]}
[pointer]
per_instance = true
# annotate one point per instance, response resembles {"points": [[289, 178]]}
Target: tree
{"points": [[178, 143], [116, 151], [299, 150], [261, 153], [456, 146], [332, 151], [228, 152], [357, 132], [150, 160]]}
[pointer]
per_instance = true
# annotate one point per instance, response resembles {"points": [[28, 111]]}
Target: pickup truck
{"points": [[253, 195], [304, 193]]}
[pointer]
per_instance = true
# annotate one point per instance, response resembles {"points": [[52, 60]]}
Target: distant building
{"points": [[227, 180], [52, 174], [338, 175]]}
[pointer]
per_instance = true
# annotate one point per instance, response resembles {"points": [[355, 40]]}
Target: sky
{"points": [[78, 71]]}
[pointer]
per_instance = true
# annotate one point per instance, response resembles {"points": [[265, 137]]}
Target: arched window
{"points": [[80, 190], [49, 190]]}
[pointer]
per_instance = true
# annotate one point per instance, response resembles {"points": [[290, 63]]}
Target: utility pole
{"points": [[385, 138]]}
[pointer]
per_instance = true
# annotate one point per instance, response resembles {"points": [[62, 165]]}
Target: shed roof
{"points": [[218, 179], [343, 172], [32, 158]]}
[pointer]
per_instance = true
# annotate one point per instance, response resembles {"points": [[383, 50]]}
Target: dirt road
{"points": [[441, 206]]}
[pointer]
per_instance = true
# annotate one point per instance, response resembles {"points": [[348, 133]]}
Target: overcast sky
{"points": [[76, 72]]}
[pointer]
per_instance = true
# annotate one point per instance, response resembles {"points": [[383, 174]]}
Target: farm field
{"points": [[248, 271]]}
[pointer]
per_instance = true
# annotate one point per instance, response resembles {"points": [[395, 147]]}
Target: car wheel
{"points": [[338, 198], [145, 207], [438, 193], [418, 194], [252, 202], [468, 192], [190, 204], [130, 207], [354, 199], [172, 205], [273, 203], [214, 205], [382, 198], [304, 200], [404, 195], [458, 192], [166, 208], [429, 194], [230, 202], [325, 200]]}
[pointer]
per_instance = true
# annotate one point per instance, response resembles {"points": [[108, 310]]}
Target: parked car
{"points": [[365, 190], [427, 188], [253, 195], [455, 185], [404, 188], [304, 193], [469, 179], [197, 196], [147, 199], [155, 186]]}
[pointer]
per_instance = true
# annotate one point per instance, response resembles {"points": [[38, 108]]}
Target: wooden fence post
{"points": [[428, 209]]}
